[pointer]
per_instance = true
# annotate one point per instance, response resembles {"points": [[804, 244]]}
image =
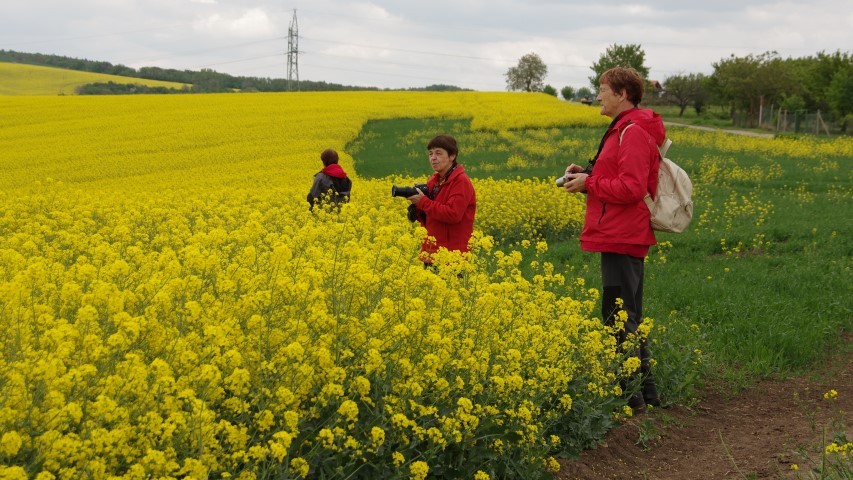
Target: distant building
{"points": [[656, 89]]}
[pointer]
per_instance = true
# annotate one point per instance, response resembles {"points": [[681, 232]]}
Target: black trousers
{"points": [[622, 277]]}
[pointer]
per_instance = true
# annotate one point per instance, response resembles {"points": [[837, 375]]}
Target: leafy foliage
{"points": [[528, 75], [686, 90], [630, 55]]}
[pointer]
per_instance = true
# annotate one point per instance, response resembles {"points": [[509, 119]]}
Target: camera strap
{"points": [[603, 138], [441, 180]]}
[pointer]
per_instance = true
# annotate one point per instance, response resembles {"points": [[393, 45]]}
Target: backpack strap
{"points": [[661, 149]]}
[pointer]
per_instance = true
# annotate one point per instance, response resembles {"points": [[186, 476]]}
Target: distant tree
{"points": [[549, 90], [584, 92], [439, 87], [567, 92], [793, 103], [703, 95], [815, 73], [528, 75], [684, 90], [112, 88], [752, 81], [840, 95], [630, 55]]}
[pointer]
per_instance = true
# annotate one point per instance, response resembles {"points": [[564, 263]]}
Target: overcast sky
{"points": [[402, 44]]}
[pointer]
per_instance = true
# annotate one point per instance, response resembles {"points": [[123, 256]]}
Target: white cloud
{"points": [[251, 23]]}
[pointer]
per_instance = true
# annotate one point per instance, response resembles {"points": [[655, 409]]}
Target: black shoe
{"points": [[650, 394], [637, 404]]}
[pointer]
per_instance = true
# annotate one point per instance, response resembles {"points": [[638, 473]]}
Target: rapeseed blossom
{"points": [[176, 311]]}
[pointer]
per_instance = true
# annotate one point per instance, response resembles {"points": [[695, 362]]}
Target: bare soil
{"points": [[757, 434]]}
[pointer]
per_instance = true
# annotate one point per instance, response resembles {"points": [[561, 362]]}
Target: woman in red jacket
{"points": [[617, 219], [447, 208]]}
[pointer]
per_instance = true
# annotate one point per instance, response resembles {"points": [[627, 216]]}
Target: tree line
{"points": [[745, 85], [201, 81]]}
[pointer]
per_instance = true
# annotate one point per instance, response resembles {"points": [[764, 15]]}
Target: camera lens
{"points": [[397, 191]]}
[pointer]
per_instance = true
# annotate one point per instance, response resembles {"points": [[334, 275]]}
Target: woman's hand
{"points": [[575, 183], [416, 199], [573, 169]]}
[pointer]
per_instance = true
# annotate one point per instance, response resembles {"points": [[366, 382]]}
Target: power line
{"points": [[237, 61], [373, 72], [421, 52], [440, 54]]}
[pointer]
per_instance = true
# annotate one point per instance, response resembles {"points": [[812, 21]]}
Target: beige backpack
{"points": [[672, 207]]}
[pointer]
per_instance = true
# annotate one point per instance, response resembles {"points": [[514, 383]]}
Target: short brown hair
{"points": [[627, 79], [329, 157], [446, 142]]}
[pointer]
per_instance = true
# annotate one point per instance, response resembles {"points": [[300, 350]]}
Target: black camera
{"points": [[397, 191]]}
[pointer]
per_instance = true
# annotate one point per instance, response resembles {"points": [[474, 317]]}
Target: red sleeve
{"points": [[633, 162]]}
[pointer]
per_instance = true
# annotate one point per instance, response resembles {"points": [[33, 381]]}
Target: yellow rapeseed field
{"points": [[22, 79], [170, 307]]}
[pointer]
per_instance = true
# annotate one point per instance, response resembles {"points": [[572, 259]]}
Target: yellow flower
{"points": [[10, 443], [349, 411], [299, 466], [842, 450], [481, 475], [552, 465], [418, 470], [264, 420], [13, 473], [566, 402], [630, 365], [327, 438], [377, 436]]}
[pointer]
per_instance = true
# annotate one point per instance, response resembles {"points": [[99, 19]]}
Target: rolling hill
{"points": [[21, 79]]}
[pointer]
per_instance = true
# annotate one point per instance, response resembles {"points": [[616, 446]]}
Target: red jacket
{"points": [[617, 219], [450, 213]]}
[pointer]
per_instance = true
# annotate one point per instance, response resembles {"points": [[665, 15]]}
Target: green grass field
{"points": [[21, 79], [763, 275], [396, 148]]}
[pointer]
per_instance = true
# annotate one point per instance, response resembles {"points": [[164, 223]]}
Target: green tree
{"points": [[567, 92], [631, 55], [814, 74], [528, 75], [585, 92], [685, 90], [549, 90], [840, 95], [753, 81]]}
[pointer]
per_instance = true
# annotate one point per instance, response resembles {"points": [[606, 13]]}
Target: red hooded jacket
{"points": [[617, 219], [450, 213]]}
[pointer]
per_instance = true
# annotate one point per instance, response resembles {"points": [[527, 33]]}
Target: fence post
{"points": [[819, 121]]}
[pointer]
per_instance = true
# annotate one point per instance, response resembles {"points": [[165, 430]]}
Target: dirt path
{"points": [[759, 434], [726, 130]]}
